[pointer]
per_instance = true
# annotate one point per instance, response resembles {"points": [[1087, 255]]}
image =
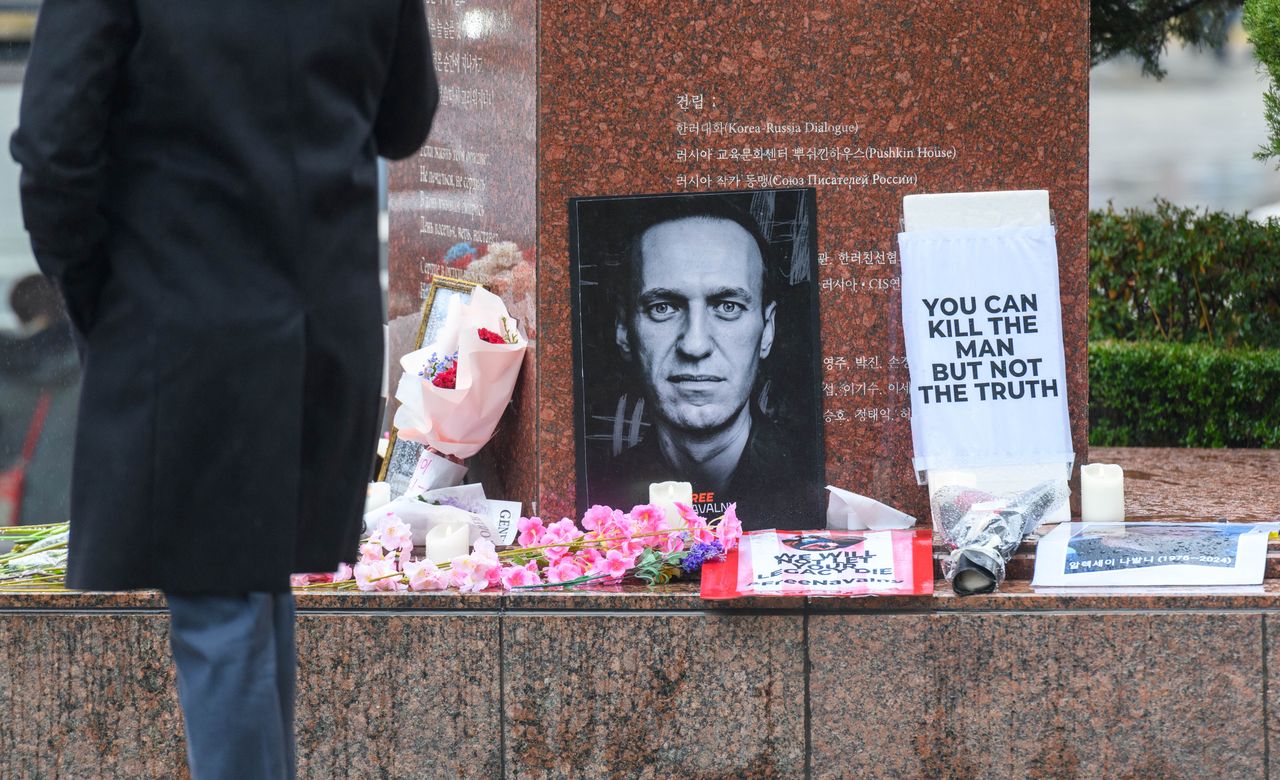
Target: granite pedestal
{"points": [[638, 682], [866, 101]]}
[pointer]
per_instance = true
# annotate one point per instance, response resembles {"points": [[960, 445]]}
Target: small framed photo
{"points": [[436, 306], [697, 352], [402, 455]]}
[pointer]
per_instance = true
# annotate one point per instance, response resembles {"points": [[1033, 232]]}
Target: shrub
{"points": [[1178, 275], [1153, 394]]}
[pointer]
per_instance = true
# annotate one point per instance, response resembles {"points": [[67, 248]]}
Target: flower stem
{"points": [[566, 583]]}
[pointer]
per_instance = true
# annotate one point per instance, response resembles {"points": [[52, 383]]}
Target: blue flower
{"points": [[699, 554], [437, 365]]}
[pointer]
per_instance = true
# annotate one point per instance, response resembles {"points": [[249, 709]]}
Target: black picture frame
{"points": [[613, 400]]}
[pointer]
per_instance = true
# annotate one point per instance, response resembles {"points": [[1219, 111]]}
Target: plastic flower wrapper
{"points": [[458, 420], [461, 503], [983, 530], [35, 555]]}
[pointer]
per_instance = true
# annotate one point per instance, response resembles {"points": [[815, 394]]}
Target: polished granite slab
{"points": [[631, 681], [654, 683], [1145, 695], [398, 695], [694, 695], [1013, 596], [88, 694]]}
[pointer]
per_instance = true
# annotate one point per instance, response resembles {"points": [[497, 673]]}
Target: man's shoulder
{"points": [[768, 440], [778, 482], [626, 477]]}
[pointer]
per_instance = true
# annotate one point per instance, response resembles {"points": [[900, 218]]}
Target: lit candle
{"points": [[666, 494], [1102, 493], [377, 495], [447, 541]]}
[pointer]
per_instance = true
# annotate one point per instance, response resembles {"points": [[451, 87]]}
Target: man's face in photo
{"points": [[697, 322]]}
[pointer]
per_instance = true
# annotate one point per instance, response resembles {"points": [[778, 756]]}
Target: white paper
{"points": [[489, 519], [503, 516], [1146, 554], [434, 471], [378, 494], [850, 511], [976, 304], [840, 564]]}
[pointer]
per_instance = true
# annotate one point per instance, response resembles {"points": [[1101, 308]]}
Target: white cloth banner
{"points": [[982, 319]]}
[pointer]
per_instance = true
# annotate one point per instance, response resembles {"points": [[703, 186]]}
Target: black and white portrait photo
{"points": [[697, 352]]}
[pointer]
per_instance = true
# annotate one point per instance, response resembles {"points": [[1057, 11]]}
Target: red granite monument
{"points": [[866, 101]]}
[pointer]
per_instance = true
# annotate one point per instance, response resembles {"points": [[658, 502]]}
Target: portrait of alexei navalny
{"points": [[697, 352]]}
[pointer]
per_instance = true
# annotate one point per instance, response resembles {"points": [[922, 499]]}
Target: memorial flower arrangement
{"points": [[453, 391], [606, 547], [443, 371]]}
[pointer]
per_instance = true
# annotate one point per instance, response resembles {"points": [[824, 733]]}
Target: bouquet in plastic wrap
{"points": [[33, 556], [983, 530], [453, 391]]}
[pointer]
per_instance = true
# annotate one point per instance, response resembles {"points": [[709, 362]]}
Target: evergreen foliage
{"points": [[1142, 27], [1262, 22]]}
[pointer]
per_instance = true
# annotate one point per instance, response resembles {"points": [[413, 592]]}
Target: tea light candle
{"points": [[447, 541], [377, 495], [1102, 493], [666, 494]]}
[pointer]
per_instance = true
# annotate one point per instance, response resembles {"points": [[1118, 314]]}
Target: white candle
{"points": [[377, 495], [666, 494], [447, 541], [1102, 493]]}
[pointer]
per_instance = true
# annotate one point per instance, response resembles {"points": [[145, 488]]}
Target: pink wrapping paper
{"points": [[459, 421]]}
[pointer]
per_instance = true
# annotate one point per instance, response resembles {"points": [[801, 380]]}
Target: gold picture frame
{"points": [[402, 455], [433, 316]]}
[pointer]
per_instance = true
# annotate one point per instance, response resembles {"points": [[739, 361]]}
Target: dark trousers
{"points": [[236, 677]]}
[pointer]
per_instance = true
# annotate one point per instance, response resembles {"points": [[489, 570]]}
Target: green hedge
{"points": [[1151, 394], [1179, 275]]}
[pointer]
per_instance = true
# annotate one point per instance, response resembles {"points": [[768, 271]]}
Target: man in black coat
{"points": [[199, 179]]}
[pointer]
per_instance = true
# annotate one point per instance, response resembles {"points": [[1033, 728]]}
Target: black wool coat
{"points": [[200, 180]]}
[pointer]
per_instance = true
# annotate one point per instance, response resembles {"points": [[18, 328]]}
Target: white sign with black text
{"points": [[982, 321]]}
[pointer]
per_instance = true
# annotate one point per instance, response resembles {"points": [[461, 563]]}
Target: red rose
{"points": [[491, 337], [447, 379]]}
